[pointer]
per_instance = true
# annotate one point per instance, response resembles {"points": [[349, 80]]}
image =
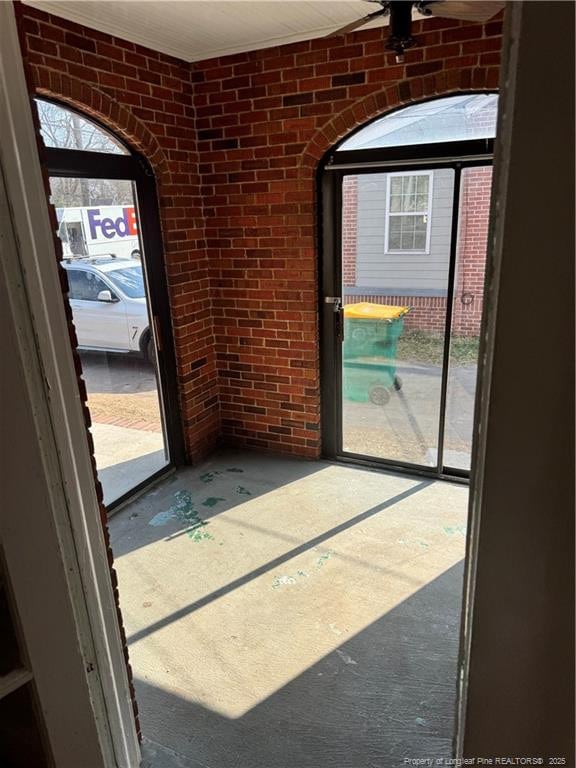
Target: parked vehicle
{"points": [[99, 230], [109, 307]]}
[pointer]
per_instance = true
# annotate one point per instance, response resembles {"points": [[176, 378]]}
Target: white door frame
{"points": [[35, 297]]}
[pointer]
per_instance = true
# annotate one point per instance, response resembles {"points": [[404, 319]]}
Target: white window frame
{"points": [[427, 213]]}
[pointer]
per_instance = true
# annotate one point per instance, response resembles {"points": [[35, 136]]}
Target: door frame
{"points": [[136, 168], [71, 539], [335, 165]]}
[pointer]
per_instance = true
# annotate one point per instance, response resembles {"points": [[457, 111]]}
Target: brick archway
{"points": [[235, 143], [390, 98], [174, 182], [99, 105]]}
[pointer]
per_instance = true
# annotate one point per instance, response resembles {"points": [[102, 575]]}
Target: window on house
{"points": [[408, 212]]}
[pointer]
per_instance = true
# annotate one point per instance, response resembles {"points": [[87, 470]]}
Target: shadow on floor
{"points": [[271, 565], [384, 695]]}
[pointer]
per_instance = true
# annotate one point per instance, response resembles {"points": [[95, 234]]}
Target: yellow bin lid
{"points": [[367, 311]]}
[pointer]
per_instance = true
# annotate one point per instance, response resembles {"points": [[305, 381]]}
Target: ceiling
{"points": [[194, 30]]}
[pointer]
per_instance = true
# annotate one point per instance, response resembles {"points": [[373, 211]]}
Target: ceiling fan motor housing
{"points": [[400, 37]]}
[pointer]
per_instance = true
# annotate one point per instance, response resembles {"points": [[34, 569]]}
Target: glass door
{"points": [[104, 198], [396, 234], [99, 228], [403, 320], [467, 306]]}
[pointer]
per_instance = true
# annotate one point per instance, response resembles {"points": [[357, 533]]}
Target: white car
{"points": [[109, 306]]}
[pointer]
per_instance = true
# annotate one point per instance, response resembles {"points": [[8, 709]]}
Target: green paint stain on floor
{"points": [[451, 530], [199, 535], [211, 501], [282, 581], [208, 477], [288, 580], [187, 515], [234, 469], [324, 558], [243, 491], [420, 721]]}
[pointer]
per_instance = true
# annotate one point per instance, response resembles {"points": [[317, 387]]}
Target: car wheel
{"points": [[136, 255], [378, 394]]}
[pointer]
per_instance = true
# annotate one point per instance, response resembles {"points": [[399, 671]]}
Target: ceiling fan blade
{"points": [[465, 10], [358, 23]]}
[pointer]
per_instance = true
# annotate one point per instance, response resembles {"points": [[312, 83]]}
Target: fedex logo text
{"points": [[123, 226]]}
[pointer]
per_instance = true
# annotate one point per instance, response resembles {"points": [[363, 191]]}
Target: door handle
{"points": [[157, 332], [338, 310]]}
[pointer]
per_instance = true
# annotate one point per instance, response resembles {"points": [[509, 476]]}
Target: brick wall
{"points": [[235, 143], [428, 312], [349, 229], [264, 120], [472, 244]]}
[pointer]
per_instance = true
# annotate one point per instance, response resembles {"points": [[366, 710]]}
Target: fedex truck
{"points": [[106, 230]]}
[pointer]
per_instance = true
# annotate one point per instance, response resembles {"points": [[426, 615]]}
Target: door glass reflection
{"points": [[475, 190], [396, 236], [102, 256]]}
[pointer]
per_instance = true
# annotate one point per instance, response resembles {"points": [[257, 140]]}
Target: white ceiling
{"points": [[196, 29]]}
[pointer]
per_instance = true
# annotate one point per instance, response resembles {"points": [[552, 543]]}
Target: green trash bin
{"points": [[371, 333]]}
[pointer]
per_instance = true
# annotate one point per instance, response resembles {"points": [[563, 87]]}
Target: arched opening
{"points": [[405, 204], [108, 225]]}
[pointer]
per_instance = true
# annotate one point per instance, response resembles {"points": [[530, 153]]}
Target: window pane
{"points": [[64, 129], [75, 284], [408, 193], [407, 233], [391, 371], [85, 285], [130, 281], [410, 203], [421, 202], [453, 118], [422, 186], [115, 338], [410, 184], [419, 241]]}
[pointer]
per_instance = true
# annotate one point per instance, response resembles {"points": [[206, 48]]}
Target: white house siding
{"points": [[417, 273]]}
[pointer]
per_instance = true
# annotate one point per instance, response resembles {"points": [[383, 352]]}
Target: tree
{"points": [[65, 129]]}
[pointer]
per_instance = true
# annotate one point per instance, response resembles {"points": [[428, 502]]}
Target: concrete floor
{"points": [[290, 614]]}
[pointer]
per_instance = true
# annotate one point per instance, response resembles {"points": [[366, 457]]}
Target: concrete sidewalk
{"points": [[125, 457]]}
